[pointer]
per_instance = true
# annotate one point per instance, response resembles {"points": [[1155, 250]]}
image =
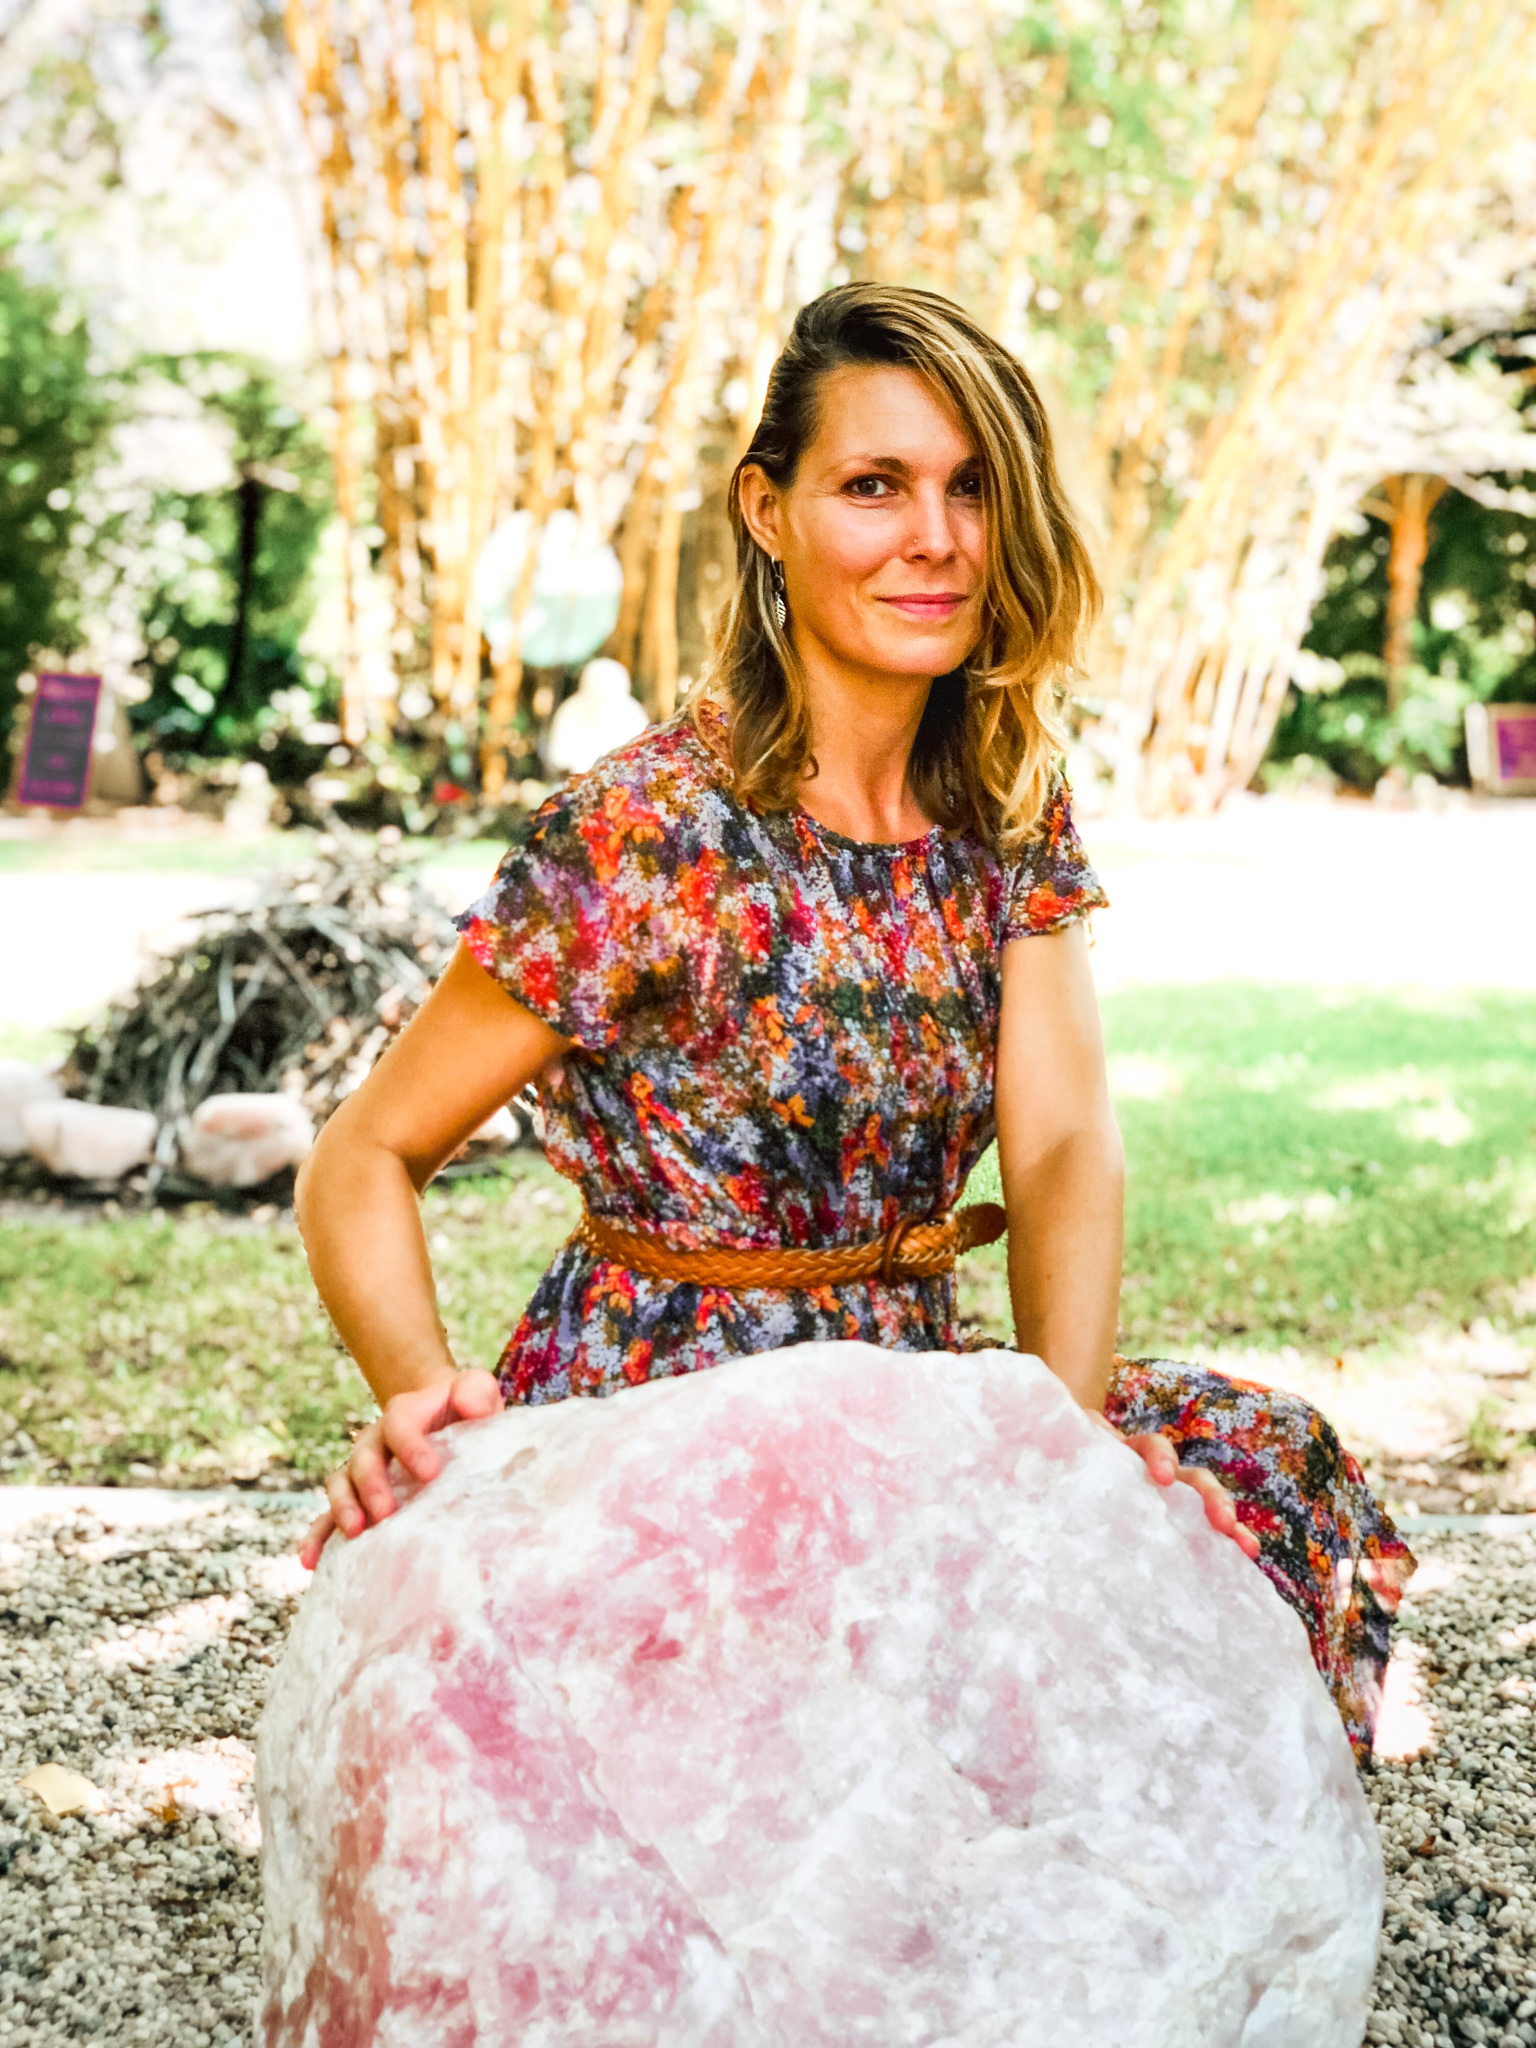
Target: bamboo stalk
{"points": [[1233, 484], [1021, 194], [316, 58], [782, 156], [1410, 225], [1319, 285], [659, 649], [497, 64], [642, 545], [619, 131]]}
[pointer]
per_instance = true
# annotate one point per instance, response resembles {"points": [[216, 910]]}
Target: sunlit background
{"points": [[369, 369], [371, 372]]}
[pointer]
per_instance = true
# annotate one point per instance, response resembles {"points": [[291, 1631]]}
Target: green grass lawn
{"points": [[1316, 1170], [1319, 1173], [193, 1349]]}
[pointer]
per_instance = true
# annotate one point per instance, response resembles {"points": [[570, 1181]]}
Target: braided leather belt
{"points": [[910, 1250]]}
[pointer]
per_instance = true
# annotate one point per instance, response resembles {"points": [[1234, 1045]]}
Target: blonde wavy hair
{"points": [[992, 731]]}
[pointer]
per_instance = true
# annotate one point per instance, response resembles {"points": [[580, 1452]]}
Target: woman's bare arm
{"points": [[468, 1050], [1063, 1168], [1063, 1172]]}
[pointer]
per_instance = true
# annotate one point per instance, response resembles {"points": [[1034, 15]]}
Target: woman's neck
{"points": [[862, 732]]}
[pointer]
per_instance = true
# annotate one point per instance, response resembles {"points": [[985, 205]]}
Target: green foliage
{"points": [[84, 534], [55, 414], [1473, 642], [194, 706]]}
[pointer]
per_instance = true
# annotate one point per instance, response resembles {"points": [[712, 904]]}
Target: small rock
{"points": [[88, 1140], [63, 1791], [237, 1141], [499, 1128], [21, 1085]]}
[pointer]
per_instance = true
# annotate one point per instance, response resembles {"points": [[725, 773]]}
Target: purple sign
{"points": [[57, 767], [1514, 732]]}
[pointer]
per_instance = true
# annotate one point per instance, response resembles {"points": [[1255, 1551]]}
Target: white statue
{"points": [[601, 716]]}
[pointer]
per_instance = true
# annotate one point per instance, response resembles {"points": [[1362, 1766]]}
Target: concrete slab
{"points": [[134, 1507]]}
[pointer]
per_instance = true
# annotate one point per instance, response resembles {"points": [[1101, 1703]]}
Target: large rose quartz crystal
{"points": [[835, 1696]]}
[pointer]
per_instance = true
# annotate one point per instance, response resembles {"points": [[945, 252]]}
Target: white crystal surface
{"points": [[834, 1696]]}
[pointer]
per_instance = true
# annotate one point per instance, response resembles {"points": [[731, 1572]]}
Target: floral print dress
{"points": [[784, 1037]]}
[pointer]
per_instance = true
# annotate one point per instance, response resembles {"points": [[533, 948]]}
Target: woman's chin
{"points": [[909, 655]]}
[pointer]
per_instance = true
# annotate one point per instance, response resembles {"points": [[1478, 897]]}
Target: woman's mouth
{"points": [[942, 606]]}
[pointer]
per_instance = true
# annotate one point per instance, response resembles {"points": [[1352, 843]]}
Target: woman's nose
{"points": [[932, 532]]}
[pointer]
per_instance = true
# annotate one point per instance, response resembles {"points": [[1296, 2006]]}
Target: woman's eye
{"points": [[869, 487], [968, 487]]}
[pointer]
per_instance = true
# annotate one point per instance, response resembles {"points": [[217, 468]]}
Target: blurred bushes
{"points": [[161, 518], [214, 568], [56, 412], [232, 586], [1473, 642]]}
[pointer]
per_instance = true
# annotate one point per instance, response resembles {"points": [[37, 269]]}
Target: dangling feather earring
{"points": [[780, 608]]}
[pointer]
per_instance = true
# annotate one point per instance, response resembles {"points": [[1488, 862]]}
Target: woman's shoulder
{"points": [[654, 783], [640, 815], [583, 906], [1051, 881]]}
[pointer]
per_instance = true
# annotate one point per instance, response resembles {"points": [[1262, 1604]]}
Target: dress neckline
{"points": [[798, 811], [890, 846]]}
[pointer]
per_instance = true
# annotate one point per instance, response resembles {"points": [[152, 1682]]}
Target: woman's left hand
{"points": [[1163, 1469]]}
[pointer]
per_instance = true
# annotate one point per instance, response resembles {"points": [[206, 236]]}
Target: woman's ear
{"points": [[759, 503]]}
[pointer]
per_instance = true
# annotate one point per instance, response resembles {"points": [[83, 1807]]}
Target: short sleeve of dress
{"points": [[1052, 881], [570, 924]]}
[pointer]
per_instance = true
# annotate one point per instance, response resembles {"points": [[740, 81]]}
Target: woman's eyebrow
{"points": [[897, 467], [893, 463]]}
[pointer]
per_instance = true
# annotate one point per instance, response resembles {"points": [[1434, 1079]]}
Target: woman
{"points": [[783, 968]]}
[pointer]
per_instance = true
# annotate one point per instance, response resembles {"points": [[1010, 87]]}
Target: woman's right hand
{"points": [[360, 1493]]}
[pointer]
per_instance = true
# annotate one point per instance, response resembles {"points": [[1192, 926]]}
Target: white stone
{"points": [[237, 1141], [250, 808], [499, 1128], [88, 1140], [21, 1084], [830, 1697], [62, 1791]]}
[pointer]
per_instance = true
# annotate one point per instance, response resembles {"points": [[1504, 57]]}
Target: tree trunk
{"points": [[783, 152], [1409, 501], [248, 496]]}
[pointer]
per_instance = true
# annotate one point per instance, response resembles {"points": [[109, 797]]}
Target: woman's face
{"points": [[881, 533]]}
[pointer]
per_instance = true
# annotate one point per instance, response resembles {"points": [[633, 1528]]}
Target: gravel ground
{"points": [[139, 1630], [136, 1640], [1458, 1822]]}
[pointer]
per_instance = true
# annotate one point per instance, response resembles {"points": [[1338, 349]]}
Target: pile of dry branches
{"points": [[298, 994]]}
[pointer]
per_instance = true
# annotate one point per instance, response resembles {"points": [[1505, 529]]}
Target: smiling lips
{"points": [[940, 607]]}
